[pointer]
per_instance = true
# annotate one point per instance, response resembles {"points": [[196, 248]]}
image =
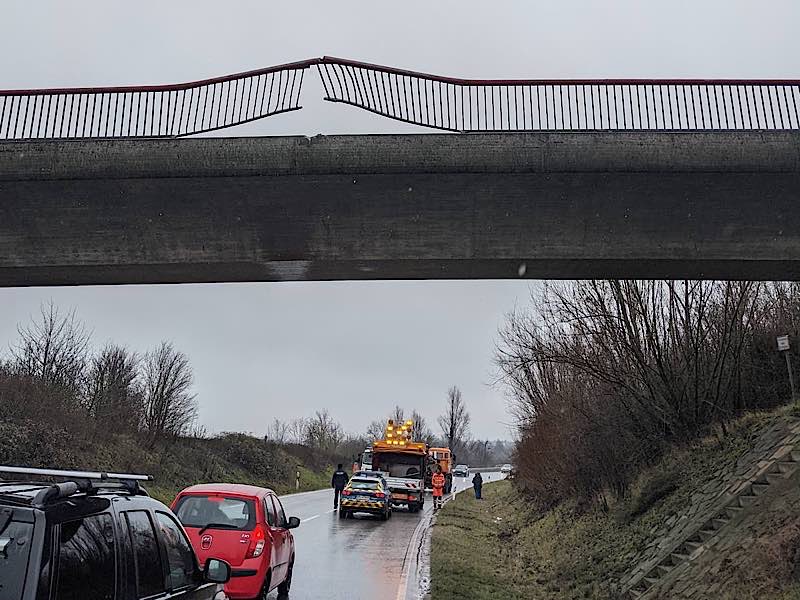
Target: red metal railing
{"points": [[151, 111], [561, 105], [451, 104]]}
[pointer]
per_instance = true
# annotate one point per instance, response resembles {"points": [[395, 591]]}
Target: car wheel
{"points": [[283, 588], [342, 514]]}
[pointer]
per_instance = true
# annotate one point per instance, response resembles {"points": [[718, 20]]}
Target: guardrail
{"points": [[445, 103]]}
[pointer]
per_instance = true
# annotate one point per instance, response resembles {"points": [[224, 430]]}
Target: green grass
{"points": [[467, 558], [501, 548]]}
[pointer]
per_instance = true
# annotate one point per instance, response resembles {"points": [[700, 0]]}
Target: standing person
{"points": [[338, 481], [477, 484], [437, 482]]}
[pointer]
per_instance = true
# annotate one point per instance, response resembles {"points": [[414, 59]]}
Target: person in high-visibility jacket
{"points": [[437, 482]]}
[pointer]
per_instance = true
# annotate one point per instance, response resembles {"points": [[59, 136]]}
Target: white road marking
{"points": [[310, 519]]}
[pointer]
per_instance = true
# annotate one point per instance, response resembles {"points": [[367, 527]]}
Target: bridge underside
{"points": [[544, 205]]}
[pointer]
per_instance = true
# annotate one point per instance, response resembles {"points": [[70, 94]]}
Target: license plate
{"points": [[396, 496]]}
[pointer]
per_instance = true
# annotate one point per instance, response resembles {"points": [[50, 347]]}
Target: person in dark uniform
{"points": [[338, 481], [477, 484]]}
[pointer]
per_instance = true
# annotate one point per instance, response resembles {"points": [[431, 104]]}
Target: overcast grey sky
{"points": [[263, 350]]}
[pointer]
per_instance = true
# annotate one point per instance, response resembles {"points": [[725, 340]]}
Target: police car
{"points": [[365, 493]]}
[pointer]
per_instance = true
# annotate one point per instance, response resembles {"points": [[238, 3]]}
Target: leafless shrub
{"points": [[114, 397], [600, 374]]}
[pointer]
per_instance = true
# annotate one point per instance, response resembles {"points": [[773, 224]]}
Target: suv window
{"points": [[15, 546], [147, 562], [182, 566], [86, 566]]}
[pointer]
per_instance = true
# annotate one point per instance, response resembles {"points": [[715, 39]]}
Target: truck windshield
{"points": [[398, 464], [15, 547]]}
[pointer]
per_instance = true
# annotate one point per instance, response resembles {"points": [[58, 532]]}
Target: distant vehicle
{"points": [[246, 526], [364, 494], [461, 471], [71, 539], [506, 468], [366, 460]]}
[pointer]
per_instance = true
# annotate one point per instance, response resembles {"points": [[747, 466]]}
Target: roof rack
{"points": [[74, 474], [88, 482]]}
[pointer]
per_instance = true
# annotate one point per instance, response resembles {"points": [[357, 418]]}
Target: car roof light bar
{"points": [[95, 475]]}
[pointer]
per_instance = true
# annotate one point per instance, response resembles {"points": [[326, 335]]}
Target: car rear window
{"points": [[230, 512], [15, 547], [364, 485]]}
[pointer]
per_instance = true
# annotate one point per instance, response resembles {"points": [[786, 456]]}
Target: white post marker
{"points": [[783, 346]]}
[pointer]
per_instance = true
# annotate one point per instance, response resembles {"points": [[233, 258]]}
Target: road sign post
{"points": [[783, 346], [297, 480]]}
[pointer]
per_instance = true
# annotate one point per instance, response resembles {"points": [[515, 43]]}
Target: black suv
{"points": [[95, 536]]}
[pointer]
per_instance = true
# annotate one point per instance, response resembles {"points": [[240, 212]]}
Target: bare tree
{"points": [[323, 432], [398, 415], [53, 350], [376, 430], [454, 423], [278, 431], [296, 431], [170, 408], [420, 432], [113, 395]]}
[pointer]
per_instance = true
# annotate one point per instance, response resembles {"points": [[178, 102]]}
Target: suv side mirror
{"points": [[217, 571], [293, 523]]}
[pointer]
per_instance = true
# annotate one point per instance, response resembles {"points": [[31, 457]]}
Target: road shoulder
{"points": [[467, 558]]}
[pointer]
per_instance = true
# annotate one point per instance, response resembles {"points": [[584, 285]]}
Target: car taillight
{"points": [[380, 495], [346, 492], [257, 542]]}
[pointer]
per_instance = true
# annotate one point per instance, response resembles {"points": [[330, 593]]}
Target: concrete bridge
{"points": [[713, 205]]}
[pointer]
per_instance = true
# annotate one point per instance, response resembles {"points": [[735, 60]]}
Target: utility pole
{"points": [[783, 347]]}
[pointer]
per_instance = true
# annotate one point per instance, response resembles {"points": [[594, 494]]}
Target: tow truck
{"points": [[402, 462]]}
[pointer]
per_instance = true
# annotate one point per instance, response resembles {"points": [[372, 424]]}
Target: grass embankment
{"points": [[176, 464], [501, 547]]}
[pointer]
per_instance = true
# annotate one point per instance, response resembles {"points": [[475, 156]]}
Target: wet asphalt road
{"points": [[354, 559]]}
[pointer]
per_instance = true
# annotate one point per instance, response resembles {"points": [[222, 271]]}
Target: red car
{"points": [[245, 526]]}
